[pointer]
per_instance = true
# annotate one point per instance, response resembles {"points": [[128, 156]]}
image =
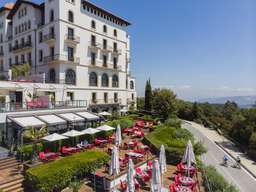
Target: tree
{"points": [[229, 109], [35, 135], [148, 96], [140, 103], [164, 102]]}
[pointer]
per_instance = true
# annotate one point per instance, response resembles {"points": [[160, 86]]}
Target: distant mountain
{"points": [[242, 101]]}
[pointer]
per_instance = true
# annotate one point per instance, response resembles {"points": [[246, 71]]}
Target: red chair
{"points": [[123, 186], [144, 176], [172, 187], [42, 156], [64, 151]]}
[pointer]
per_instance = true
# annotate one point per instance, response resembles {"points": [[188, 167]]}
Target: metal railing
{"points": [[22, 46], [59, 57], [73, 38], [105, 101], [27, 106], [50, 36], [94, 45]]}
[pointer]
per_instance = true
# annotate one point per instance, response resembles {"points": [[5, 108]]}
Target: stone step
{"points": [[7, 159], [18, 186], [12, 179], [11, 185], [7, 162], [10, 165]]}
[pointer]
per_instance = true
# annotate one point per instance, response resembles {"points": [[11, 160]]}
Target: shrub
{"points": [[25, 151], [124, 122], [58, 174], [216, 182], [173, 122]]}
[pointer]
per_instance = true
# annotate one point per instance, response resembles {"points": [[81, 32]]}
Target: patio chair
{"points": [[64, 151], [42, 157], [123, 186], [172, 187], [144, 176]]}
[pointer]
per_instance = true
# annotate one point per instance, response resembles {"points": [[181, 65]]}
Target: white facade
{"points": [[72, 46]]}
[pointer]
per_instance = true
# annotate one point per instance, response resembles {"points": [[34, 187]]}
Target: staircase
{"points": [[11, 178]]}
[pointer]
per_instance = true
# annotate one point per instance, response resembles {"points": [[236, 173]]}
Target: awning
{"points": [[28, 122], [88, 116], [105, 128], [71, 117], [104, 113], [90, 131], [72, 133], [52, 119], [54, 137]]}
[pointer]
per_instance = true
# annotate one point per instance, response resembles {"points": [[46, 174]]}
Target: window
{"points": [[70, 77], [132, 96], [52, 32], [40, 37], [51, 16], [115, 63], [29, 39], [29, 58], [105, 44], [115, 97], [29, 24], [115, 32], [115, 81], [10, 61], [70, 33], [22, 59], [70, 53], [93, 58], [52, 76], [93, 40], [94, 97], [70, 16], [93, 79], [115, 46], [131, 85], [105, 30], [93, 24], [16, 59], [10, 47], [106, 97], [40, 55], [104, 80], [105, 60], [22, 41]]}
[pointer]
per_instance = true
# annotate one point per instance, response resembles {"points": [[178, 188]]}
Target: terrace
{"points": [[103, 139]]}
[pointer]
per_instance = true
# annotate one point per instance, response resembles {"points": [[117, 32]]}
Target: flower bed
{"points": [[58, 174]]}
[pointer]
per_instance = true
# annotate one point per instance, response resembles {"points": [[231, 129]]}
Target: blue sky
{"points": [[198, 48]]}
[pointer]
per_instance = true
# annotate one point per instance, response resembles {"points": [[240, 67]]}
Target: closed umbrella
{"points": [[156, 177], [189, 156], [118, 139], [162, 160], [114, 165], [130, 177]]}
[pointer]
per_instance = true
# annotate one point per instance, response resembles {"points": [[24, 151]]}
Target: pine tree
{"points": [[148, 96]]}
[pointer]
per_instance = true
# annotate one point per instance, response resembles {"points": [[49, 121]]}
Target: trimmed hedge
{"points": [[124, 122], [175, 140], [215, 182], [59, 174]]}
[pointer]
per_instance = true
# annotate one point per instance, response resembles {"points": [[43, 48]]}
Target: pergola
{"points": [[55, 122]]}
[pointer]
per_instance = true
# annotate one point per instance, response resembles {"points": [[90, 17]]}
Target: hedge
{"points": [[215, 182], [25, 151], [59, 174], [124, 122]]}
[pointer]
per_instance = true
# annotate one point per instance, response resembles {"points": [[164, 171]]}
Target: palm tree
{"points": [[35, 135]]}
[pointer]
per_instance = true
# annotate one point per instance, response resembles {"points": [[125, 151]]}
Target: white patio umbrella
{"points": [[73, 133], [114, 165], [156, 177], [90, 131], [118, 139], [189, 156], [130, 177], [104, 113], [54, 137], [105, 128], [162, 160]]}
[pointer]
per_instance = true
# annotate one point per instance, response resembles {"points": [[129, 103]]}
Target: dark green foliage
{"points": [[59, 174], [124, 122], [148, 96], [215, 182], [25, 151]]}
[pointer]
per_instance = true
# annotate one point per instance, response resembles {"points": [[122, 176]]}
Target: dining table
{"points": [[182, 189], [133, 154], [186, 181]]}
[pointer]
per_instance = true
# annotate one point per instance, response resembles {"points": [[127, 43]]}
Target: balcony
{"points": [[108, 66], [72, 40], [57, 59], [106, 48], [22, 47], [49, 38], [94, 46], [1, 53], [105, 102], [117, 51]]}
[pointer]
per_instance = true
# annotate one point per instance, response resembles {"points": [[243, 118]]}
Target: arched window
{"points": [[105, 30], [131, 85], [115, 32], [93, 24], [93, 81], [70, 77], [70, 16], [51, 16], [52, 76], [115, 82], [104, 80]]}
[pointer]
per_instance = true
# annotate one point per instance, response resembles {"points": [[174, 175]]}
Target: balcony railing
{"points": [[22, 46], [94, 45], [25, 106], [108, 66], [73, 39], [1, 53], [105, 101], [61, 58], [117, 51], [49, 37]]}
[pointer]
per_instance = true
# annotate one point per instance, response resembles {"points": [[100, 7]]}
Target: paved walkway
{"points": [[228, 146]]}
